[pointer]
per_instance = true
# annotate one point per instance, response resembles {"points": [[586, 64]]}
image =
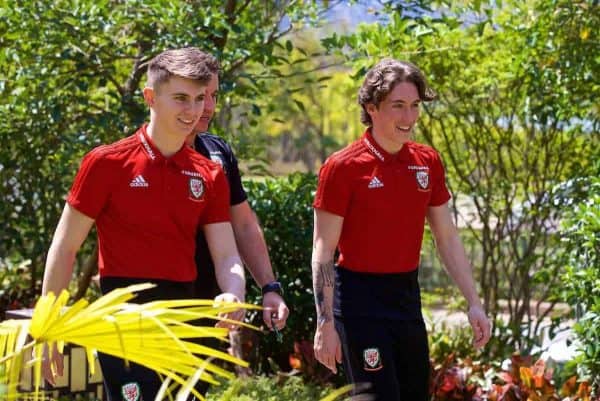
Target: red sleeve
{"points": [[439, 191], [91, 188], [217, 208], [333, 189]]}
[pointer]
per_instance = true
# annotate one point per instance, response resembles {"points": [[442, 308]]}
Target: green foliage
{"points": [[15, 290], [581, 278], [267, 389], [312, 114], [284, 208], [445, 341]]}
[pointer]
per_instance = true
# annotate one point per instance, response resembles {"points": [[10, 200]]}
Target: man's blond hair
{"points": [[188, 62]]}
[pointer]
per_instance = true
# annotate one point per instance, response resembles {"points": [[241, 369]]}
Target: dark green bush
{"points": [[284, 208], [16, 291]]}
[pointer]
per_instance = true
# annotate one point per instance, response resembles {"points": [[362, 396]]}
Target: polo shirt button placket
{"points": [[170, 177], [164, 179]]}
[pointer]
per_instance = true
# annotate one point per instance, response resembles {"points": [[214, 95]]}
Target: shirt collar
{"points": [[154, 154], [380, 153]]}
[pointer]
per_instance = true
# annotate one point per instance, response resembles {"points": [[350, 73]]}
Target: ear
{"points": [[149, 96], [371, 108]]}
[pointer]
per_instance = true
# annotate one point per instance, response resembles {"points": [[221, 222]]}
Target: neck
{"points": [[392, 147], [189, 140], [166, 144]]}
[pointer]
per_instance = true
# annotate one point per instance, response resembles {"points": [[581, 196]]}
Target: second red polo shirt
{"points": [[384, 200]]}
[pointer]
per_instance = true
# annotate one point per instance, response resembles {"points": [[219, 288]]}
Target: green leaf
{"points": [[299, 104]]}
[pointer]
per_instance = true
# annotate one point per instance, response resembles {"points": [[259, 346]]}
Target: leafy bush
{"points": [[581, 289], [445, 341], [277, 388], [16, 291], [284, 208]]}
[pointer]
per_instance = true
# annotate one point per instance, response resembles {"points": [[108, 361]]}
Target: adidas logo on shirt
{"points": [[375, 183], [138, 181]]}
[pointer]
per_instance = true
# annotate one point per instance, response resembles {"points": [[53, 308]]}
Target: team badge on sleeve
{"points": [[196, 188], [372, 359], [423, 179], [131, 391]]}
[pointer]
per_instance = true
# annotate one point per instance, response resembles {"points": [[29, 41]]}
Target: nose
{"points": [[410, 114], [198, 106]]}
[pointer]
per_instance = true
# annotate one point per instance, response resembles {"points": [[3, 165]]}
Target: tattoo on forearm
{"points": [[323, 278]]}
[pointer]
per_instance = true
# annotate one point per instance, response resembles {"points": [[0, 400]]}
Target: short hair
{"points": [[187, 62], [381, 80]]}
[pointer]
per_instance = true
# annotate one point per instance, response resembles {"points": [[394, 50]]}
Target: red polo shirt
{"points": [[147, 207], [383, 199]]}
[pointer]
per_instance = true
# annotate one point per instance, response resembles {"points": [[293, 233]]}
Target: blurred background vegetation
{"points": [[516, 124]]}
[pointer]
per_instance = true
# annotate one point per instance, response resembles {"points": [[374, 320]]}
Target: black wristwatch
{"points": [[273, 286]]}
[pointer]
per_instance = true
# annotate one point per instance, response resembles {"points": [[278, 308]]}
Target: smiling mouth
{"points": [[403, 128], [186, 121]]}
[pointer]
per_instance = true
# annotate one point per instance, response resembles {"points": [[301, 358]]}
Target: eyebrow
{"points": [[400, 101], [202, 95]]}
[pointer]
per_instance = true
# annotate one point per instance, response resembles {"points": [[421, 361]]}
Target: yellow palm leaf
{"points": [[154, 334]]}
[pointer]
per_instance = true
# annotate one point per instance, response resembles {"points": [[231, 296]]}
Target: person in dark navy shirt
{"points": [[216, 149], [372, 201], [248, 233]]}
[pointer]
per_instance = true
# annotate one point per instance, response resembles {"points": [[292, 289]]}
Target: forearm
{"points": [[455, 260], [58, 270], [323, 286], [230, 276], [70, 233], [253, 250]]}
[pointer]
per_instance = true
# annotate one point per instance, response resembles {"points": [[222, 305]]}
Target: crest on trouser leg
{"points": [[372, 359], [131, 392]]}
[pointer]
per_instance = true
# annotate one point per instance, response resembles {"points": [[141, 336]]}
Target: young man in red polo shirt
{"points": [[147, 195], [372, 201]]}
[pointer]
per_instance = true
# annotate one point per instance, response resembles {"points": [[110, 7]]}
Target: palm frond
{"points": [[154, 334]]}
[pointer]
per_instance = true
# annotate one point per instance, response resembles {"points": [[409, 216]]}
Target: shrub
{"points": [[445, 341], [16, 290], [284, 208], [277, 388], [581, 289]]}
